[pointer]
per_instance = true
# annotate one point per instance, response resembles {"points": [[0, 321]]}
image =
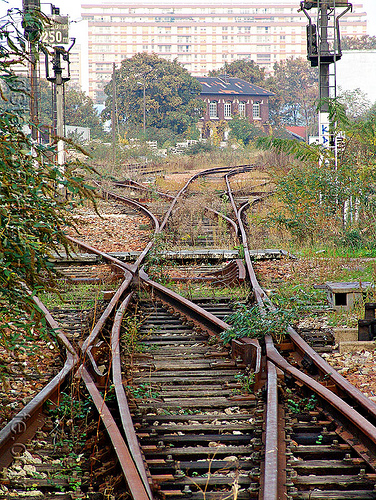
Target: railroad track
{"points": [[174, 413], [199, 436]]}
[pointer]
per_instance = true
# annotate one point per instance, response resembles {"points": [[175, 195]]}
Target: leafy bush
{"points": [[254, 323], [199, 147]]}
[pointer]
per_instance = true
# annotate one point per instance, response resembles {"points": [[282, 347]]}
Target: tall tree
{"points": [[364, 42], [79, 108], [161, 89], [244, 69], [295, 85], [244, 131]]}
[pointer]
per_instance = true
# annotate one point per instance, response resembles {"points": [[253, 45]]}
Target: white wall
{"points": [[357, 69]]}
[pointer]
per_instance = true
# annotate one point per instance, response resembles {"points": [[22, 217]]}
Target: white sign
{"points": [[324, 129]]}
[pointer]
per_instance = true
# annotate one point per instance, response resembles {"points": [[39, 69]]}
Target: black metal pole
{"points": [[323, 56]]}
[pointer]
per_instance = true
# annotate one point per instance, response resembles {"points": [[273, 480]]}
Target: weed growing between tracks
{"points": [[131, 336], [247, 381], [300, 405], [81, 296], [142, 391], [233, 467], [251, 322], [71, 414]]}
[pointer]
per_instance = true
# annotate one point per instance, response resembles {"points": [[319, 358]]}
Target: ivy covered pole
{"points": [[32, 33]]}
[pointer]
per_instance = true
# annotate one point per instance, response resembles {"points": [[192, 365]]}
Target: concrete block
{"points": [[345, 334], [344, 295], [350, 346]]}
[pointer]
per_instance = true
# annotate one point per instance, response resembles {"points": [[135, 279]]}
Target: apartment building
{"points": [[75, 66], [202, 36]]}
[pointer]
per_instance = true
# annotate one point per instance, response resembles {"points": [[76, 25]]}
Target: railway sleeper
{"points": [[200, 434], [321, 464]]}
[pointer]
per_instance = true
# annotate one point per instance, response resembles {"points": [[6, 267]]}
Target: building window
{"points": [[227, 110], [256, 110], [213, 109], [242, 109]]}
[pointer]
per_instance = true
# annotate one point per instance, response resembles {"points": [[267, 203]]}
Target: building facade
{"points": [[201, 36], [228, 97]]}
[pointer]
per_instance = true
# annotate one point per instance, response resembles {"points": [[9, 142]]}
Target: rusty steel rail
{"points": [[270, 478], [149, 214], [364, 427], [125, 414], [137, 205], [130, 472], [260, 295], [343, 386]]}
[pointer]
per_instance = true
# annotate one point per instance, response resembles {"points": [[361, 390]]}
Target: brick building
{"points": [[226, 97]]}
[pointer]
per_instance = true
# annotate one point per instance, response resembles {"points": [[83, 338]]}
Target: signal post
{"points": [[323, 50]]}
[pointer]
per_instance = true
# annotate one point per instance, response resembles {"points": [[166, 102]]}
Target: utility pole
{"points": [[324, 49], [58, 31], [144, 109], [59, 100], [32, 33]]}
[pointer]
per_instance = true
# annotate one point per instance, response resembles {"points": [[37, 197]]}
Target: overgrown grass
{"points": [[75, 296], [193, 290]]}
